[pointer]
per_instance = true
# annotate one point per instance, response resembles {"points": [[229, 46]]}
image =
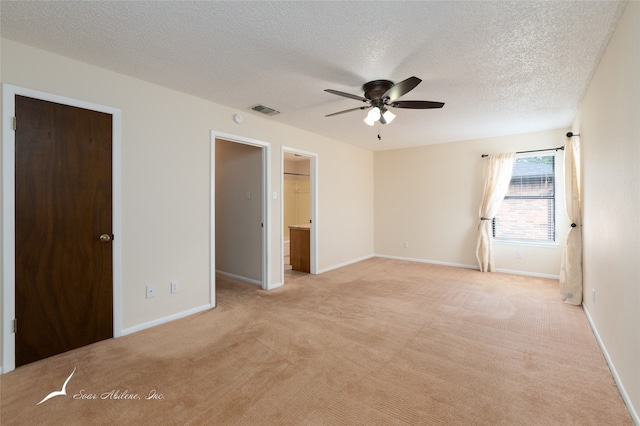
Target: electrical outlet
{"points": [[406, 244], [519, 254], [151, 291], [175, 287]]}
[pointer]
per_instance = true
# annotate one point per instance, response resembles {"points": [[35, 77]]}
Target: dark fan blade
{"points": [[347, 95], [346, 110], [417, 104], [401, 88]]}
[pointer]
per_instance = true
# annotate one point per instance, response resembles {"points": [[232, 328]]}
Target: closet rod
{"points": [[533, 150], [295, 174]]}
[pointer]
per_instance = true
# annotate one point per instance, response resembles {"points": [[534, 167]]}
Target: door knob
{"points": [[105, 238]]}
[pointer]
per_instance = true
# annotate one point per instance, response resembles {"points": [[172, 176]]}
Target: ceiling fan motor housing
{"points": [[376, 88]]}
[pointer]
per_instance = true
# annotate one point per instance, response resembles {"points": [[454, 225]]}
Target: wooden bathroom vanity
{"points": [[300, 251]]}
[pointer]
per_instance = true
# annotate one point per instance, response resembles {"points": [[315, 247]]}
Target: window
{"points": [[528, 211]]}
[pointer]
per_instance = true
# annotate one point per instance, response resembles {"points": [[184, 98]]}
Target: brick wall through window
{"points": [[528, 211]]}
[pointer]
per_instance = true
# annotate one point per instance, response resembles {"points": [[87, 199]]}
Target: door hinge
{"points": [[262, 225], [15, 325], [15, 123]]}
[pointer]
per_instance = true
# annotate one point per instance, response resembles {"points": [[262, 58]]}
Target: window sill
{"points": [[551, 245]]}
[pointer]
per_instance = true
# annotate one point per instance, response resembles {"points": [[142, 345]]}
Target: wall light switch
{"points": [[248, 195]]}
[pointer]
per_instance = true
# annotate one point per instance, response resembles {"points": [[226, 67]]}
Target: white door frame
{"points": [[266, 228], [313, 187], [9, 93]]}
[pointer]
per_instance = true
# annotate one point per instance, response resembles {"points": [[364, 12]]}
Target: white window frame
{"points": [[554, 243]]}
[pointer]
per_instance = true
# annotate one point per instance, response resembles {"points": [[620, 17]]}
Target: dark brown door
{"points": [[64, 274]]}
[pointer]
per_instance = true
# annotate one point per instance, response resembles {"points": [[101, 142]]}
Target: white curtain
{"points": [[571, 266], [496, 176]]}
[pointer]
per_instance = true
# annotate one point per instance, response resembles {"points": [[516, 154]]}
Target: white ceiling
{"points": [[500, 67]]}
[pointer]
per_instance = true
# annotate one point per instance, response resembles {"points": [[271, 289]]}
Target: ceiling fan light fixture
{"points": [[388, 116], [372, 116]]}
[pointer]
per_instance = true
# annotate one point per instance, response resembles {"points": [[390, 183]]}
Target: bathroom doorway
{"points": [[298, 212]]}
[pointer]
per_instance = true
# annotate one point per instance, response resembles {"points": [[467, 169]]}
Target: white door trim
{"points": [[266, 229], [313, 186], [9, 93]]}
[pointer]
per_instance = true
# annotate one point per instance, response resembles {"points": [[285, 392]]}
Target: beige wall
{"points": [[429, 197], [350, 192], [166, 180], [609, 125], [239, 210]]}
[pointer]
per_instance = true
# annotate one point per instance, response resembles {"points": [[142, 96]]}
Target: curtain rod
{"points": [[534, 150]]}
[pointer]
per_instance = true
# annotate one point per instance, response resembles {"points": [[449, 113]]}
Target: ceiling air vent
{"points": [[265, 110]]}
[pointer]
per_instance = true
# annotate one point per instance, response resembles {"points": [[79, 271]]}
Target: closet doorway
{"points": [[298, 212]]}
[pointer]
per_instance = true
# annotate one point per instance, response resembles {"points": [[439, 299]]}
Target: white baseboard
{"points": [[274, 286], [340, 265], [434, 262], [528, 274], [166, 319], [239, 278], [460, 265], [612, 367], [248, 280]]}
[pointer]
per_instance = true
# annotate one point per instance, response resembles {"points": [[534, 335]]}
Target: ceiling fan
{"points": [[379, 95]]}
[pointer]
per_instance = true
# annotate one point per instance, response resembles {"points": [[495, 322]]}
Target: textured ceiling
{"points": [[500, 67]]}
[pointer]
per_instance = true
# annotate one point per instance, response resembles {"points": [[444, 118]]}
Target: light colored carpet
{"points": [[380, 342]]}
